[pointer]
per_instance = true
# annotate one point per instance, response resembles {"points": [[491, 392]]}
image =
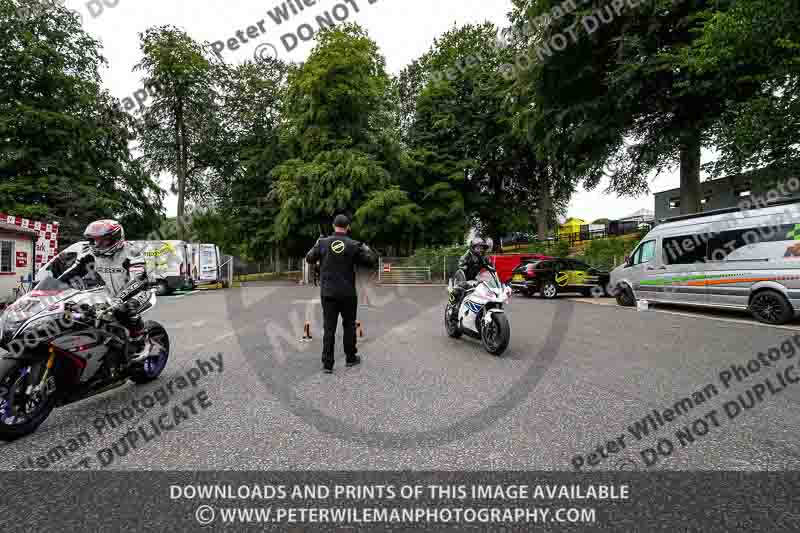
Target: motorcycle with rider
{"points": [[475, 301], [80, 331]]}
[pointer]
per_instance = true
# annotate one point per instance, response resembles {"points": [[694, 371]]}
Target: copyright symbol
{"points": [[265, 51], [204, 515]]}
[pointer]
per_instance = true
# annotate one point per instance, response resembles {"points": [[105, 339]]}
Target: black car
{"points": [[549, 277]]}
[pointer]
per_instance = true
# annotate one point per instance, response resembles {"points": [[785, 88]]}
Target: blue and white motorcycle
{"points": [[480, 314]]}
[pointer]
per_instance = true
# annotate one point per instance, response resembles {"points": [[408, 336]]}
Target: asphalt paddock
{"points": [[574, 378]]}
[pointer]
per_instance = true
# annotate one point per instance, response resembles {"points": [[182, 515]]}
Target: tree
{"points": [[335, 130], [628, 102], [252, 110], [63, 144], [463, 129], [755, 42], [179, 134]]}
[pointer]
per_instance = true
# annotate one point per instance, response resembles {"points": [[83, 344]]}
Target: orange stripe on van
{"points": [[738, 280]]}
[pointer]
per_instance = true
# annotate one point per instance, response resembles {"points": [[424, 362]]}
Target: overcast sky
{"points": [[403, 29]]}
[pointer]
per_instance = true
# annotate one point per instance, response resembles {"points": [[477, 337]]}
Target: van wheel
{"points": [[625, 296], [771, 307]]}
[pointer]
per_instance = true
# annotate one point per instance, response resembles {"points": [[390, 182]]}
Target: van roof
{"points": [[733, 217]]}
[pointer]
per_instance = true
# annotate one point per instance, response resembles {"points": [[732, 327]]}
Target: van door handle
{"points": [[654, 268]]}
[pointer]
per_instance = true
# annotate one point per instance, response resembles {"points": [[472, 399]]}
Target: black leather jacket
{"points": [[338, 256], [469, 266]]}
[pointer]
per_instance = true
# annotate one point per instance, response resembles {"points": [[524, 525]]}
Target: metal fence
{"points": [[242, 267], [411, 270]]}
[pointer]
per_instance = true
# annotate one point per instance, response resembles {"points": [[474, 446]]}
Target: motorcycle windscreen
{"points": [[489, 278]]}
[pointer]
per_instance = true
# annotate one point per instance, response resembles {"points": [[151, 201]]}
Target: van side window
{"points": [[685, 249], [726, 242], [644, 253]]}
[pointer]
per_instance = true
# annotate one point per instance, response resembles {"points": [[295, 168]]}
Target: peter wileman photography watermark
{"points": [[338, 13], [165, 410], [140, 95], [767, 362], [557, 42], [33, 8]]}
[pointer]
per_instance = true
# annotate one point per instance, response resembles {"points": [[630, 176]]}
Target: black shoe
{"points": [[327, 370], [355, 361]]}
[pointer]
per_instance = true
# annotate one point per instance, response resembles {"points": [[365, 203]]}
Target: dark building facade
{"points": [[732, 191]]}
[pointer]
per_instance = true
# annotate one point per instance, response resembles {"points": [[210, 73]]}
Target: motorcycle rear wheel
{"points": [[496, 335], [12, 384]]}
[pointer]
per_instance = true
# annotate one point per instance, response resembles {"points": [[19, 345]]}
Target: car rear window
{"points": [[537, 264]]}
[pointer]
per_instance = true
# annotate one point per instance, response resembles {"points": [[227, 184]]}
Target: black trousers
{"points": [[332, 307]]}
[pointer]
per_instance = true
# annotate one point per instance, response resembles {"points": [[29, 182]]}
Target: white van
{"points": [[205, 263], [730, 258], [169, 261]]}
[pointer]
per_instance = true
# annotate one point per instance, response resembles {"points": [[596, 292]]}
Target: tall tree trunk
{"points": [[179, 147], [545, 206], [690, 171]]}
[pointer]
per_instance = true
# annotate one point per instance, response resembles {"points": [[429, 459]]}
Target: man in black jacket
{"points": [[338, 256], [469, 266]]}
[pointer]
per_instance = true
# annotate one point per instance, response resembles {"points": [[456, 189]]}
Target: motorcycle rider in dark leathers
{"points": [[122, 269], [469, 266]]}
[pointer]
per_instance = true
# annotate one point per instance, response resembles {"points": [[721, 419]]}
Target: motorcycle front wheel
{"points": [[157, 343], [496, 334], [22, 411], [451, 322]]}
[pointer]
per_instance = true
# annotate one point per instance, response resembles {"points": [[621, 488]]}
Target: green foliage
{"points": [[63, 145], [558, 248], [435, 257], [754, 47], [179, 132], [607, 253], [458, 116]]}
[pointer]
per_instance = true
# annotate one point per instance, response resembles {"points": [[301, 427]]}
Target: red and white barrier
{"points": [[46, 242]]}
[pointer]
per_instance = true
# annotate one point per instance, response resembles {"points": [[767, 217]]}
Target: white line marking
{"points": [[691, 315]]}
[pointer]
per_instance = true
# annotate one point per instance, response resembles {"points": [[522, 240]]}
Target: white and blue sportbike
{"points": [[480, 313]]}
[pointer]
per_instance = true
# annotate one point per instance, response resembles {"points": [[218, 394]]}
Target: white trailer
{"points": [[205, 263]]}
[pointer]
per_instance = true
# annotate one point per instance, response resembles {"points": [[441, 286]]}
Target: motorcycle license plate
{"points": [[518, 277]]}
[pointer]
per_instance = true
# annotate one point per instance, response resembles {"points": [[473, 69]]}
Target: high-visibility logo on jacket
{"points": [[337, 247]]}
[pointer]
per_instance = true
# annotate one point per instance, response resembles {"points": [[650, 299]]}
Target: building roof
{"points": [[13, 228], [641, 213]]}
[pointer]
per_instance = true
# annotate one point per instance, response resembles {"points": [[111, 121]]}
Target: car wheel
{"points": [[771, 307], [549, 290], [162, 289], [625, 296]]}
